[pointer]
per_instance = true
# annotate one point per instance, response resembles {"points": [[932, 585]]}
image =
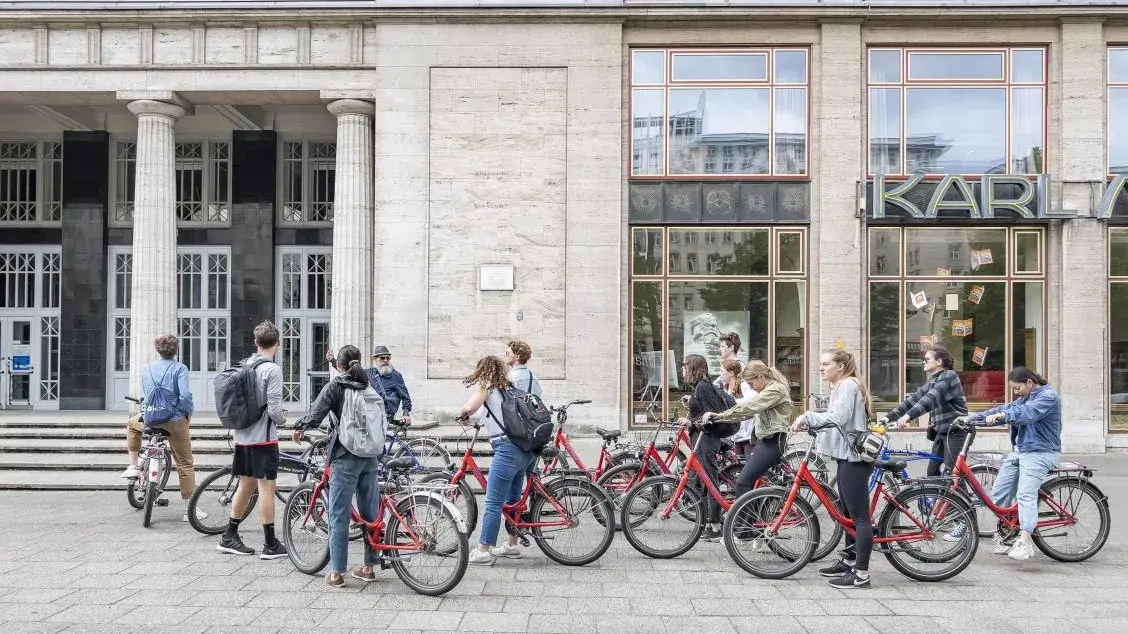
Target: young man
{"points": [[389, 384], [256, 452], [517, 354], [730, 346]]}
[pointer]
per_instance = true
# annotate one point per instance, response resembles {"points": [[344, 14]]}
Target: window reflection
{"points": [[647, 251], [1118, 355], [956, 130], [885, 130], [646, 350], [790, 131], [1027, 66], [791, 67], [719, 67], [648, 111], [884, 329], [1118, 65], [955, 66], [1118, 130], [719, 131], [947, 252], [738, 252], [648, 67], [885, 66]]}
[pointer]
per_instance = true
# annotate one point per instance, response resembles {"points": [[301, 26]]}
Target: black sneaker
{"points": [[274, 551], [711, 535], [837, 570], [234, 546], [850, 580]]}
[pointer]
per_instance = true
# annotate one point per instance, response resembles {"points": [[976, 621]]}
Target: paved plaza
{"points": [[80, 562]]}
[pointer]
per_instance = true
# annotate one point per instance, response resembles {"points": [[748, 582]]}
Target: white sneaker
{"points": [[199, 515], [131, 472], [1022, 550], [1002, 546], [481, 558], [507, 551]]}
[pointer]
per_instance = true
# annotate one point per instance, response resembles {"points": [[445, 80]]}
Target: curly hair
{"points": [[166, 346], [732, 339], [523, 350], [490, 372]]}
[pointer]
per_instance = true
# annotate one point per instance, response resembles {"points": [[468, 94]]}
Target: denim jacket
{"points": [[1035, 420], [392, 389]]}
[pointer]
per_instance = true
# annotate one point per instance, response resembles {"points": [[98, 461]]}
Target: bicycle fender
{"points": [[448, 505], [1101, 497]]}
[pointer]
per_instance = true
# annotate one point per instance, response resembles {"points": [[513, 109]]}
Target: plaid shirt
{"points": [[942, 397]]}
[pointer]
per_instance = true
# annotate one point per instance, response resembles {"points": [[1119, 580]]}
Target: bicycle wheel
{"points": [[590, 516], [431, 553], [1081, 504], [619, 479], [428, 453], [955, 535], [764, 555], [151, 493], [626, 455], [461, 496], [307, 538], [984, 516], [137, 487], [653, 535], [830, 531], [816, 465], [214, 496], [166, 469]]}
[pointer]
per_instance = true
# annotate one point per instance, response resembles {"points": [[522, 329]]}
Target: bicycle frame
{"points": [[909, 455], [373, 530], [694, 465]]}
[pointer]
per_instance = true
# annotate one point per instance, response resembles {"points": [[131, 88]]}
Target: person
{"points": [[848, 409], [506, 478], [517, 354], [256, 452], [730, 346], [350, 474], [743, 393], [1034, 417], [389, 383], [942, 398], [171, 376], [706, 397], [771, 408]]}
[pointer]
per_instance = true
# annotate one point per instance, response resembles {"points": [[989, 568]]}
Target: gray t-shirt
{"points": [[265, 431], [847, 410]]}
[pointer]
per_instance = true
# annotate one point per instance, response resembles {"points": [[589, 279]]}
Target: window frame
{"points": [[769, 83], [1110, 86], [121, 199], [308, 181], [1112, 279], [48, 204]]}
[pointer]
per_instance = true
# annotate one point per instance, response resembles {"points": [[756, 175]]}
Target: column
{"points": [[1078, 277], [350, 320], [153, 298]]}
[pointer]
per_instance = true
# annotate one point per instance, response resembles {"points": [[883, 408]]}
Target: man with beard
{"points": [[389, 383]]}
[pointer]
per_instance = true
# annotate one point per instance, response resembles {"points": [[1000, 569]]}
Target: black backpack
{"points": [[525, 418], [237, 398]]}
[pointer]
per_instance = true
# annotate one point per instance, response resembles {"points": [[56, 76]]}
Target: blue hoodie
{"points": [[1035, 420]]}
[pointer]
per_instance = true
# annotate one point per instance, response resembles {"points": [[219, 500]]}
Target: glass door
{"points": [[18, 383], [318, 342]]}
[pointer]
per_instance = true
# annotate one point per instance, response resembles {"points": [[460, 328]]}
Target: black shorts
{"points": [[256, 461]]}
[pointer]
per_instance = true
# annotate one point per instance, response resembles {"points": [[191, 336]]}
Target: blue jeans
{"points": [[503, 486], [351, 474], [1021, 476]]}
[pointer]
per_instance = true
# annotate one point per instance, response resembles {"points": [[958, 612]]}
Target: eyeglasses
{"points": [[383, 358]]}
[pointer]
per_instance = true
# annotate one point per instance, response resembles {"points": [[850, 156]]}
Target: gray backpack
{"points": [[363, 423]]}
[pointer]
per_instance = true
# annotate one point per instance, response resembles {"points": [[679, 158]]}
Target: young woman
{"points": [[942, 398], [772, 408], [507, 470], [739, 389], [351, 474], [706, 398], [849, 410], [1034, 417]]}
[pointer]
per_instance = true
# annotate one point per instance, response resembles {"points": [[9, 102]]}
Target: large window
{"points": [[1118, 110], [944, 111], [978, 292], [202, 179], [732, 112], [1118, 327], [31, 182], [691, 285], [309, 173]]}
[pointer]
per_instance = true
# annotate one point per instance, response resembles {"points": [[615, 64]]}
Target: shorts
{"points": [[257, 461]]}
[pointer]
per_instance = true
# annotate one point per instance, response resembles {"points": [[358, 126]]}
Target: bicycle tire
{"points": [[619, 479], [1086, 490], [955, 507], [428, 453], [151, 493], [461, 496], [760, 508], [985, 517], [649, 498], [216, 522], [441, 529], [137, 487], [620, 457], [316, 528], [816, 464], [166, 468], [602, 510], [830, 531]]}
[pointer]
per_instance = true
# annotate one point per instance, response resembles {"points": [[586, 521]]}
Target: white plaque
{"points": [[495, 277]]}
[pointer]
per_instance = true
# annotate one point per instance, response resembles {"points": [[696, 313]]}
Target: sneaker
{"points": [[200, 515], [131, 472], [358, 573], [507, 551], [273, 551], [1002, 544], [957, 532], [711, 535], [850, 580], [837, 570], [1022, 550], [481, 558], [335, 579], [234, 546]]}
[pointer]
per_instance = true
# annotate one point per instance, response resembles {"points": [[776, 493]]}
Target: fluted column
{"points": [[350, 320], [153, 297]]}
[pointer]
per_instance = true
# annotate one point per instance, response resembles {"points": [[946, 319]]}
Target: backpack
{"points": [[237, 399], [724, 430], [525, 418], [363, 424], [158, 408]]}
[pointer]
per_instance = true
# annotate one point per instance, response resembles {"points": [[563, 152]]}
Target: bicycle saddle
{"points": [[397, 464], [608, 434], [154, 431], [891, 465], [549, 452]]}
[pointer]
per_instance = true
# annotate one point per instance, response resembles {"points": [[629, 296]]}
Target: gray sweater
{"points": [[847, 410], [265, 431]]}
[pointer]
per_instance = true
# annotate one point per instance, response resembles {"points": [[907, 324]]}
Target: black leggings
{"points": [[707, 456], [765, 455], [853, 492], [947, 445]]}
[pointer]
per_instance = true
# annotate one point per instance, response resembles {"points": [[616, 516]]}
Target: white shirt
{"points": [[746, 427]]}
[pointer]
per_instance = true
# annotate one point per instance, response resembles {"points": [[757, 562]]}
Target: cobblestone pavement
{"points": [[80, 562]]}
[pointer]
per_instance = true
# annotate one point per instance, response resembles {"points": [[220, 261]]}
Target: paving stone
{"points": [[91, 613], [564, 623], [760, 624], [151, 615], [419, 620], [493, 622]]}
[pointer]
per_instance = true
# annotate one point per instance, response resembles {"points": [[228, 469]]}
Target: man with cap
{"points": [[389, 383]]}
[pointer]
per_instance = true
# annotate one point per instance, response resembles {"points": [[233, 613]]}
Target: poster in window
{"points": [[962, 327], [703, 330], [920, 300], [976, 294], [979, 356], [927, 341], [943, 272], [981, 257]]}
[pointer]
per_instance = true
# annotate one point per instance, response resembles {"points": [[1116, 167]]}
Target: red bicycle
{"points": [[568, 509], [611, 453], [416, 531]]}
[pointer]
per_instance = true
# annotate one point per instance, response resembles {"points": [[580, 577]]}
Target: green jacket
{"points": [[773, 405]]}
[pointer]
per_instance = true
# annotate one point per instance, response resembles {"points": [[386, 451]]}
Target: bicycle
{"points": [[544, 510], [412, 524], [154, 463], [758, 520], [611, 453], [427, 452]]}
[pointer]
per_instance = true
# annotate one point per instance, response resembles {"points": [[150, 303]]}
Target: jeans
{"points": [[1022, 474], [949, 446], [853, 493], [764, 456], [351, 474], [503, 486]]}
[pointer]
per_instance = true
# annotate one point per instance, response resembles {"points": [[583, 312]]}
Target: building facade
{"points": [[617, 182]]}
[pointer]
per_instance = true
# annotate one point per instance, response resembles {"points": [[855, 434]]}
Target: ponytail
{"points": [[348, 361], [850, 370], [1022, 374]]}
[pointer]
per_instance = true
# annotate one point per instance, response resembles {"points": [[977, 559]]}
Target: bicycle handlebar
{"points": [[134, 399], [564, 407]]}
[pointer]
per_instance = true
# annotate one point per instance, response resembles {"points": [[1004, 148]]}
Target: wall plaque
{"points": [[495, 277]]}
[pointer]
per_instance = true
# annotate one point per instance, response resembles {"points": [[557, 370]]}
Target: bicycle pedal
{"points": [[162, 502], [524, 540]]}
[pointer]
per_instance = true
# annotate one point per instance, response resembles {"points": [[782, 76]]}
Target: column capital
{"points": [[351, 106], [149, 106], [166, 96]]}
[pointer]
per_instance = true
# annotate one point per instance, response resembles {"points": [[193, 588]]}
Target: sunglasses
{"points": [[383, 358]]}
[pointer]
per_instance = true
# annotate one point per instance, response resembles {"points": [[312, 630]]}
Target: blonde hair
{"points": [[732, 366], [760, 370], [491, 372], [850, 370]]}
